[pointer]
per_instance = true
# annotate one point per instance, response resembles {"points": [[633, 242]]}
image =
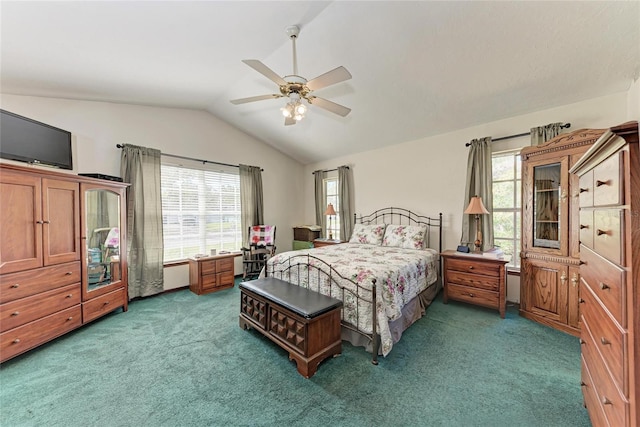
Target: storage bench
{"points": [[303, 322]]}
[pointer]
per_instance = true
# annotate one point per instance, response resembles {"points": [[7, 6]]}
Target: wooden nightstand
{"points": [[212, 273], [318, 243], [476, 279]]}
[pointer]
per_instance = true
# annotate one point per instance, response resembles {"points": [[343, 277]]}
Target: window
{"points": [[507, 185], [331, 196], [200, 211]]}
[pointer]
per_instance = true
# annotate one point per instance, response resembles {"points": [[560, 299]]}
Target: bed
{"points": [[391, 262]]}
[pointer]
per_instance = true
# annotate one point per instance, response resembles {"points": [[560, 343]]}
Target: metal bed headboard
{"points": [[401, 216]]}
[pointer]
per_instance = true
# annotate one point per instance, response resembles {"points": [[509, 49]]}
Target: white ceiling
{"points": [[419, 68]]}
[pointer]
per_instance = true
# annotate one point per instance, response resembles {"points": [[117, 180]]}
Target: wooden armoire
{"points": [[550, 253], [62, 254]]}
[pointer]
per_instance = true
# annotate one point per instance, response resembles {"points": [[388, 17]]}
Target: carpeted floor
{"points": [[181, 360]]}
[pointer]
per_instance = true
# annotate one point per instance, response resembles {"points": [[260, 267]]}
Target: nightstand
{"points": [[475, 279], [318, 243]]}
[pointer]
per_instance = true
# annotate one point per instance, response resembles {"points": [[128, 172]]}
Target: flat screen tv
{"points": [[33, 142]]}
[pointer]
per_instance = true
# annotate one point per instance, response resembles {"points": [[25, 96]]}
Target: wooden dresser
{"points": [[47, 288], [609, 193], [475, 279], [318, 243], [212, 273]]}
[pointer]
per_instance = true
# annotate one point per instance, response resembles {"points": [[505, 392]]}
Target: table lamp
{"points": [[477, 208], [330, 211]]}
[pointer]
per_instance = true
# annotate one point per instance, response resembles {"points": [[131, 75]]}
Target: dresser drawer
{"points": [[608, 239], [26, 337], [607, 182], [472, 266], [208, 267], [473, 295], [209, 281], [26, 283], [614, 404], [590, 394], [22, 311], [225, 264], [608, 337], [102, 305], [586, 228], [473, 280], [607, 281], [585, 191]]}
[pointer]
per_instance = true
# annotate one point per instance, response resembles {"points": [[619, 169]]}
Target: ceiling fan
{"points": [[297, 88]]}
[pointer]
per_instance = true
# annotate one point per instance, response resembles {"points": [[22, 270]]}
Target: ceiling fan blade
{"points": [[330, 106], [288, 121], [255, 98], [265, 71], [329, 78]]}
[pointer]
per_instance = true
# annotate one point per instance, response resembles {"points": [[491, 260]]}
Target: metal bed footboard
{"points": [[302, 268]]}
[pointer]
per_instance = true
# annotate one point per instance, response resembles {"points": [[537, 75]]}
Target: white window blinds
{"points": [[200, 211]]}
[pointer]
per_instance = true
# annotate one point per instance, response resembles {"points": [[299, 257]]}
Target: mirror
{"points": [[102, 219]]}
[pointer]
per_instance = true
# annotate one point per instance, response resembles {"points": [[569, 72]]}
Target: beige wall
{"points": [[97, 127], [428, 175]]}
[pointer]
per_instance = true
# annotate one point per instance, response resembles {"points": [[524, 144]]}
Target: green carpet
{"points": [[180, 359]]}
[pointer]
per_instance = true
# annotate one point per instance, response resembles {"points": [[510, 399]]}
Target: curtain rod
{"points": [[566, 126], [327, 170], [191, 158]]}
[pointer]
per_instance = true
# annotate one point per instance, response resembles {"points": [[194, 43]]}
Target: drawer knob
{"points": [[580, 301], [69, 296], [583, 384], [16, 341], [68, 273], [582, 342], [471, 295], [582, 226], [601, 232], [606, 401], [471, 267], [15, 313], [604, 286], [39, 222], [69, 318], [601, 183], [605, 341], [106, 303], [15, 285], [584, 190]]}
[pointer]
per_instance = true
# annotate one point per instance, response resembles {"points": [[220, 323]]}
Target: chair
{"points": [[261, 247]]}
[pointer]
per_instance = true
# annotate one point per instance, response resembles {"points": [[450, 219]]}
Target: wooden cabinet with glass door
{"points": [[549, 279]]}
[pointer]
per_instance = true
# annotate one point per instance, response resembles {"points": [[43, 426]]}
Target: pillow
{"points": [[367, 234], [405, 236]]}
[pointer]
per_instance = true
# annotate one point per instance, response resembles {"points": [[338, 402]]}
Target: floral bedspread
{"points": [[401, 274]]}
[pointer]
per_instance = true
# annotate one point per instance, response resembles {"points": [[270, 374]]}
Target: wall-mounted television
{"points": [[27, 140]]}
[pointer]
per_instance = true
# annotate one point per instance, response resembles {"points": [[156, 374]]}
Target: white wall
{"points": [[97, 127], [428, 175]]}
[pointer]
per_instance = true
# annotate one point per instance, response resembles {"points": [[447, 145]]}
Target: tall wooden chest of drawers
{"points": [[609, 196], [211, 274]]}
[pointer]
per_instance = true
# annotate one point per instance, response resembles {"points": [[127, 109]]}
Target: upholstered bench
{"points": [[303, 322]]}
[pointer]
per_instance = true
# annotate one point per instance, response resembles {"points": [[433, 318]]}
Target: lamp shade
{"points": [[331, 211], [476, 206]]}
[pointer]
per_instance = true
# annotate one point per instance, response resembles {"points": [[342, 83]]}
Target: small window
{"points": [[507, 185], [331, 196]]}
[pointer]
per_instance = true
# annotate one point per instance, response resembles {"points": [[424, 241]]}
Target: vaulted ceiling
{"points": [[419, 68]]}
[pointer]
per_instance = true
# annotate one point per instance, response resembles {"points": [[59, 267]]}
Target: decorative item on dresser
{"points": [[211, 273], [476, 279], [62, 249], [549, 275], [609, 193]]}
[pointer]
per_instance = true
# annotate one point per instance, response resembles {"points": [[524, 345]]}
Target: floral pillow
{"points": [[368, 234], [405, 236]]}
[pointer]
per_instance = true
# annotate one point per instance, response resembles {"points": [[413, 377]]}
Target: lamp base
{"points": [[478, 247]]}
